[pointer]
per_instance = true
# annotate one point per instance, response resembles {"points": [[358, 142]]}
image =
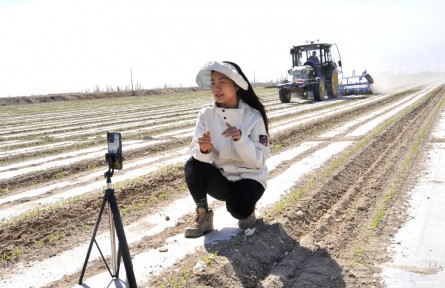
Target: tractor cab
{"points": [[317, 55]]}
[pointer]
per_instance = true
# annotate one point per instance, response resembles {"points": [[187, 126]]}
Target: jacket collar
{"points": [[241, 105]]}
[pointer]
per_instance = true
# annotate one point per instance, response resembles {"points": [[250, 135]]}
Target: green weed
{"points": [[277, 147], [162, 195], [11, 256], [4, 191], [51, 239], [359, 253]]}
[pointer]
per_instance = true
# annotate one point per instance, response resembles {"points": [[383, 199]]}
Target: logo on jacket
{"points": [[264, 140]]}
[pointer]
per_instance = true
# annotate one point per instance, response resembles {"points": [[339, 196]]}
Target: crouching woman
{"points": [[229, 148]]}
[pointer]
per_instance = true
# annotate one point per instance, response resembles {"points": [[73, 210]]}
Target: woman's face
{"points": [[224, 90]]}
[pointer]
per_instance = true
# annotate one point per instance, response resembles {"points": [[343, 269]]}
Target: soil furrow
{"points": [[311, 243], [315, 219]]}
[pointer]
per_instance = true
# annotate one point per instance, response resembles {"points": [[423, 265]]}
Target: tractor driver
{"points": [[313, 58]]}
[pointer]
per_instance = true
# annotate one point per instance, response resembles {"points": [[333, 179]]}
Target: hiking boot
{"points": [[203, 224], [248, 222]]}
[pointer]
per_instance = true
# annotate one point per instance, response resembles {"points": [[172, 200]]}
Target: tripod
{"points": [[116, 228]]}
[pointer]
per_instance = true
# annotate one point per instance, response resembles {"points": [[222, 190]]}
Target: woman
{"points": [[229, 148]]}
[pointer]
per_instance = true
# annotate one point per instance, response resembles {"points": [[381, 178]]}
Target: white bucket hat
{"points": [[204, 75]]}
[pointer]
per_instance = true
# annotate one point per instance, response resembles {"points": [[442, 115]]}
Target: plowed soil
{"points": [[330, 230]]}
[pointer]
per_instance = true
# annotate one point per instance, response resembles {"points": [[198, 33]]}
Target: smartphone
{"points": [[114, 156]]}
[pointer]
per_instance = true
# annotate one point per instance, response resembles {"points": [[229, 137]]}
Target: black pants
{"points": [[205, 179]]}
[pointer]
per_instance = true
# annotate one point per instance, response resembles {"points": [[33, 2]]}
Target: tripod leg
{"points": [[119, 255], [123, 246], [113, 243], [93, 237]]}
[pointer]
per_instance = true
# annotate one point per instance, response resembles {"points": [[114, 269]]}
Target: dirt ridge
{"points": [[59, 97], [366, 177], [302, 247]]}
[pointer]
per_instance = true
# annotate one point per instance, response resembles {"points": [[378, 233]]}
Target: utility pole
{"points": [[131, 76]]}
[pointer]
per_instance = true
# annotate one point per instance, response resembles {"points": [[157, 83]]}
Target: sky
{"points": [[62, 46]]}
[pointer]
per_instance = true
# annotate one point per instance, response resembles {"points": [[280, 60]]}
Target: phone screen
{"points": [[114, 142]]}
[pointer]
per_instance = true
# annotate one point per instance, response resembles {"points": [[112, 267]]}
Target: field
{"points": [[339, 172]]}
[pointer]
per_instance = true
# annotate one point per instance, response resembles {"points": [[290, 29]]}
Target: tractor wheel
{"points": [[284, 95], [332, 84], [319, 91]]}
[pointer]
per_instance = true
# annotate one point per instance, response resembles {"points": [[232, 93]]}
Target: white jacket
{"points": [[245, 158]]}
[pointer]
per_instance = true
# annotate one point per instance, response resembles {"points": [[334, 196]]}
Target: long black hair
{"points": [[249, 97]]}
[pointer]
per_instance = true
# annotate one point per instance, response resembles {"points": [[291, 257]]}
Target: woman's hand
{"points": [[232, 131], [205, 142]]}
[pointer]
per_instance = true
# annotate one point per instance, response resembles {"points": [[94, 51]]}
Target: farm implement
{"points": [[356, 85]]}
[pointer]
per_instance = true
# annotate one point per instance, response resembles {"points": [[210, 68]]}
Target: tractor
{"points": [[311, 75]]}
